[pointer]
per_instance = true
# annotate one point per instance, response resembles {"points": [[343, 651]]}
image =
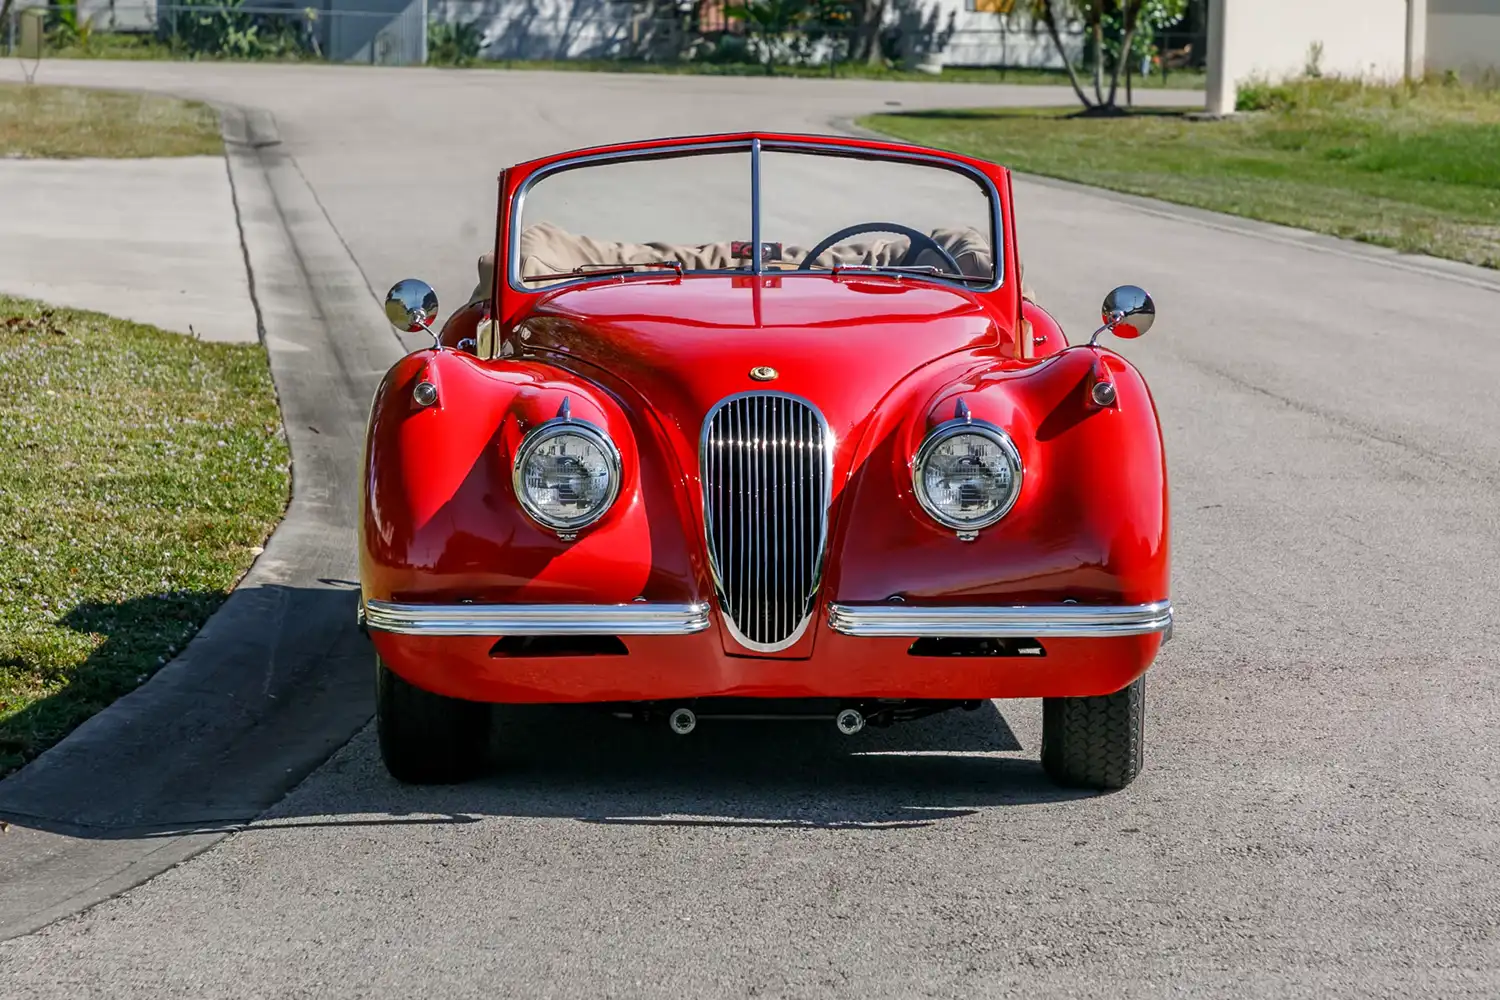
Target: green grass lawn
{"points": [[111, 45], [58, 122], [139, 473], [1416, 168]]}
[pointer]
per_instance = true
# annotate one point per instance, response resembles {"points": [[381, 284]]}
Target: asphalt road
{"points": [[1319, 812]]}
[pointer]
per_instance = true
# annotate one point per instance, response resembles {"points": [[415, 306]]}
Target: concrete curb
{"points": [[1432, 267], [278, 678]]}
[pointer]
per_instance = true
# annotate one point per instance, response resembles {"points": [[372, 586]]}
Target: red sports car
{"points": [[761, 424]]}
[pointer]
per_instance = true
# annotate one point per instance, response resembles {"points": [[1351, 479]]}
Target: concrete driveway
{"points": [[154, 241], [1319, 812]]}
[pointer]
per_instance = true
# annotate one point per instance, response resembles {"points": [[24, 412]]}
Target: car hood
{"points": [[682, 345]]}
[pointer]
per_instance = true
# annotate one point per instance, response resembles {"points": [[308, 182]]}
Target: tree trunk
{"points": [[1132, 11], [874, 18], [1049, 20], [1099, 58]]}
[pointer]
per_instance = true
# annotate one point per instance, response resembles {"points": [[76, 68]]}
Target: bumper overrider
{"points": [[1074, 621]]}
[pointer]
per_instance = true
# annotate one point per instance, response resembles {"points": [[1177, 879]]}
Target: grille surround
{"points": [[765, 513]]}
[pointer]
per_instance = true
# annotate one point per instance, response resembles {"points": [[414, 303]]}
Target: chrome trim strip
{"points": [[536, 619], [1080, 621], [757, 260]]}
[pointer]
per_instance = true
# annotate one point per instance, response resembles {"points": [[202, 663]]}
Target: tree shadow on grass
{"points": [[141, 634], [275, 681]]}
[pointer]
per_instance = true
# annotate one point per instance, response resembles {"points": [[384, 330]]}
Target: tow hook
{"points": [[849, 721], [682, 721]]}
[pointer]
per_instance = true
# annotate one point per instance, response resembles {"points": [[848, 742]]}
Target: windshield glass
{"points": [[693, 212]]}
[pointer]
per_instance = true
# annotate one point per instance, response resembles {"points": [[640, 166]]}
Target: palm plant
{"points": [[68, 28], [1122, 18]]}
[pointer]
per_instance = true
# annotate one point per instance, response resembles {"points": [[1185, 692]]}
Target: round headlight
{"points": [[967, 475], [567, 474]]}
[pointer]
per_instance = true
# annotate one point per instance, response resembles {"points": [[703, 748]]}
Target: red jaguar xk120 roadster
{"points": [[740, 422]]}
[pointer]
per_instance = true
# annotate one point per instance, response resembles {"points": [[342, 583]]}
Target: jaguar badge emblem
{"points": [[763, 373]]}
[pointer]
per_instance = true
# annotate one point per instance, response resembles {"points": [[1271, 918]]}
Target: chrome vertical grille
{"points": [[766, 470]]}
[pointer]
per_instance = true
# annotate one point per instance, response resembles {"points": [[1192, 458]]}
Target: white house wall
{"points": [[1274, 40], [1463, 35], [119, 15], [547, 29], [972, 38]]}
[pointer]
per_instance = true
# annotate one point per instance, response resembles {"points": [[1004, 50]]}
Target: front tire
{"points": [[426, 738], [1095, 742]]}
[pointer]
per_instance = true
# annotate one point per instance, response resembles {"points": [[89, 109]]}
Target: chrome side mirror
{"points": [[412, 306], [1128, 312]]}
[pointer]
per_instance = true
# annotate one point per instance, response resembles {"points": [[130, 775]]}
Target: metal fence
{"points": [[394, 35], [911, 42], [465, 31], [909, 45]]}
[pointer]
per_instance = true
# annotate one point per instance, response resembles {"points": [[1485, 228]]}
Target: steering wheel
{"points": [[920, 243]]}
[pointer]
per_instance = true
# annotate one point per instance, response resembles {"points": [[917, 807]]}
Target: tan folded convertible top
{"points": [[549, 249]]}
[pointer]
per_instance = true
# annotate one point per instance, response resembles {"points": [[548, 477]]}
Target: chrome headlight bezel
{"points": [[540, 435], [947, 431]]}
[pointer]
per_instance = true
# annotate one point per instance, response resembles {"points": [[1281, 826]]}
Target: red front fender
{"points": [[440, 521], [1091, 521]]}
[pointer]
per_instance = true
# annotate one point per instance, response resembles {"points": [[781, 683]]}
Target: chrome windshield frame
{"points": [[757, 257], [755, 146]]}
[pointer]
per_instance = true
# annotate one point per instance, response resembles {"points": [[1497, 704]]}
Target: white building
{"points": [[1463, 35], [1371, 39]]}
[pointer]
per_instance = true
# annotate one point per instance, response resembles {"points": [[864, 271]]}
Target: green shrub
{"points": [[220, 29], [726, 48], [1334, 93], [1254, 95], [66, 26], [453, 43]]}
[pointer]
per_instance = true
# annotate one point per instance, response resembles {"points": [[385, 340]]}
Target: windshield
{"points": [[820, 209]]}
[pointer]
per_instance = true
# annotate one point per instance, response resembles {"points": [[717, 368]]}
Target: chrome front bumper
{"points": [[1079, 621], [863, 621], [535, 619]]}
